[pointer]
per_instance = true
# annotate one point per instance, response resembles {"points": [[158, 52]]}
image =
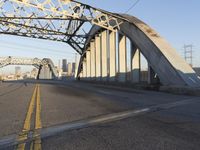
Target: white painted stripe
{"points": [[104, 92], [50, 131]]}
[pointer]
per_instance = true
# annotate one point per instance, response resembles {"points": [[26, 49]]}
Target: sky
{"points": [[177, 21]]}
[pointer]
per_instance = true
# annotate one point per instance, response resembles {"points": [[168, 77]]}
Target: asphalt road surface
{"points": [[70, 115]]}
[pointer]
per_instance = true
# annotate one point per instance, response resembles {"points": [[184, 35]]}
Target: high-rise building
{"points": [[64, 65], [59, 66], [69, 69], [73, 68]]}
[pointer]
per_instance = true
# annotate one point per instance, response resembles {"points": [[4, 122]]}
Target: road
{"points": [[70, 115]]}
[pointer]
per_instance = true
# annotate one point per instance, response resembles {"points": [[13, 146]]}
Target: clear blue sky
{"points": [[176, 20]]}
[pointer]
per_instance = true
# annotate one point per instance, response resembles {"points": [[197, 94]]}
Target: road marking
{"points": [[104, 92], [51, 131], [38, 124], [35, 103], [27, 122]]}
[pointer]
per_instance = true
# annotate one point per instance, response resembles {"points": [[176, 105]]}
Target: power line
{"points": [[31, 46], [35, 49], [133, 5], [53, 53]]}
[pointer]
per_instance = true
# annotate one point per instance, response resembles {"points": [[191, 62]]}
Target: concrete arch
{"points": [[165, 61], [170, 67], [51, 66]]}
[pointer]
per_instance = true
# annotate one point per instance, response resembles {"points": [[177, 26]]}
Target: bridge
{"points": [[46, 68], [97, 47], [103, 111]]}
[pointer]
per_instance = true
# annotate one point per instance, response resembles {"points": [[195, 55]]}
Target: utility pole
{"points": [[188, 54]]}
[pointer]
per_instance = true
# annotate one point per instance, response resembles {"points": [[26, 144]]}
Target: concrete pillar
{"points": [[88, 64], [77, 60], [152, 77], [93, 62], [84, 70], [49, 76], [122, 58], [81, 75], [98, 57], [46, 72], [112, 57], [135, 64], [43, 73], [104, 43]]}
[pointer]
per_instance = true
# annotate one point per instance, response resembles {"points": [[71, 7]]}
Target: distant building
{"points": [[59, 66], [17, 71], [64, 65], [26, 75], [69, 71], [34, 73], [73, 68], [10, 77]]}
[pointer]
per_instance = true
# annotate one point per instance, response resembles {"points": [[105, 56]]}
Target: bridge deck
{"points": [[121, 119]]}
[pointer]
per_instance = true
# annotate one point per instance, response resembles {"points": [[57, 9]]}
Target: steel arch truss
{"points": [[58, 20], [4, 61], [38, 63]]}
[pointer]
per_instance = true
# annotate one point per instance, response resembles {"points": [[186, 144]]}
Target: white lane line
{"points": [[51, 131], [104, 92]]}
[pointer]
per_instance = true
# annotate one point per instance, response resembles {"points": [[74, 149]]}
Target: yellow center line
{"points": [[34, 103], [38, 123], [27, 122]]}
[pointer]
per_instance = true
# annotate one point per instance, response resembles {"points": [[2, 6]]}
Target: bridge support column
{"points": [[135, 64], [50, 74], [122, 58], [98, 57], [77, 60], [93, 64], [104, 43], [84, 70], [45, 73], [152, 77], [112, 57], [41, 73], [88, 64]]}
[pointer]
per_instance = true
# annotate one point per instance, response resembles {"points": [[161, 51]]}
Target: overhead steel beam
{"points": [[58, 20]]}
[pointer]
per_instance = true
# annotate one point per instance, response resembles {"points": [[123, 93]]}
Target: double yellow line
{"points": [[35, 100]]}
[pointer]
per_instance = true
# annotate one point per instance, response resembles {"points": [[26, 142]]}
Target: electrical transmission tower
{"points": [[188, 54]]}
